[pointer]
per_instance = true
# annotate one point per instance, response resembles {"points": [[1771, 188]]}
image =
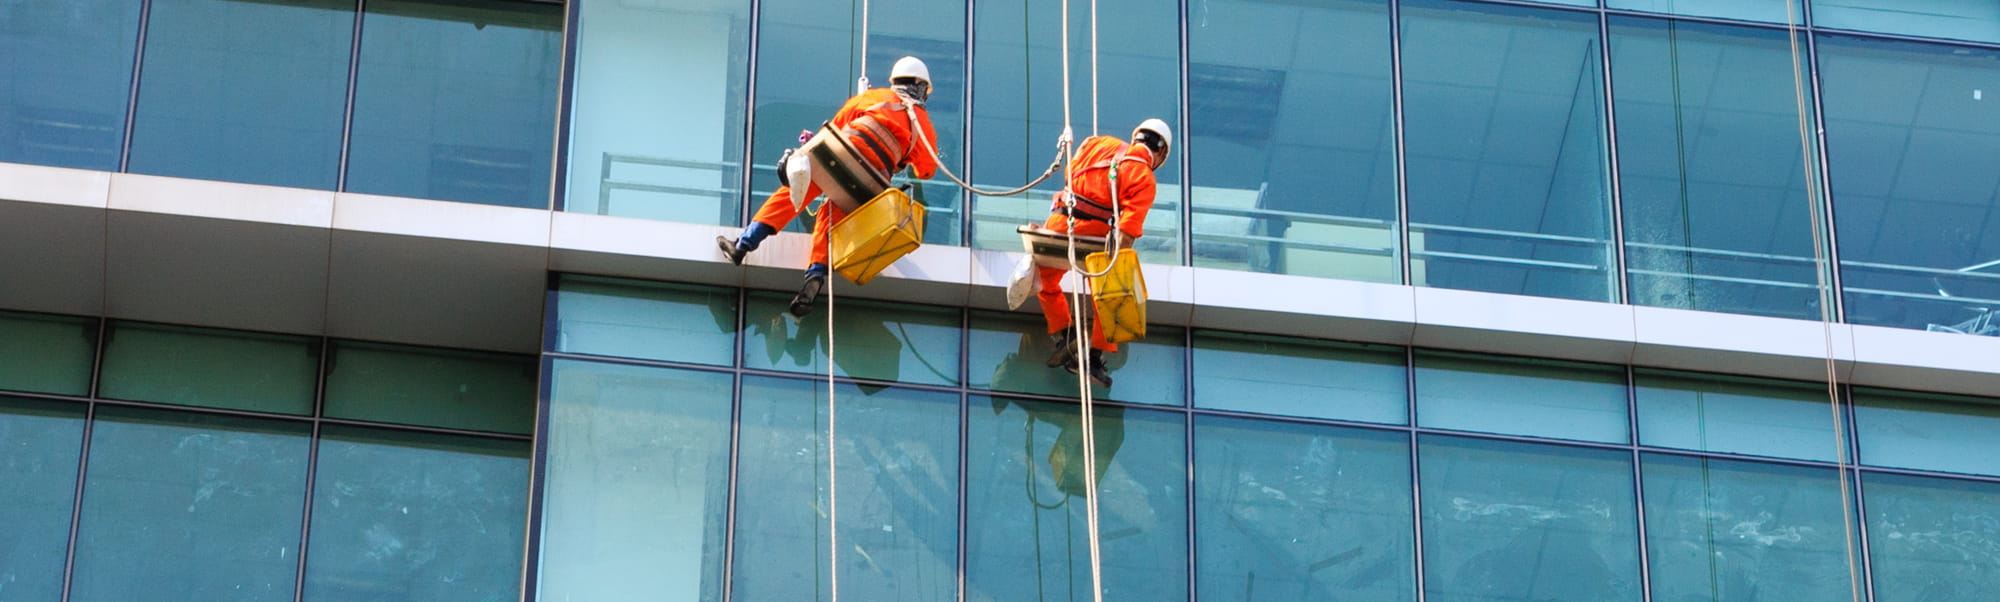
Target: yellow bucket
{"points": [[1119, 295], [882, 231]]}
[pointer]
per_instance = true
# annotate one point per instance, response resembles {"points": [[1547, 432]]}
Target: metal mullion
{"points": [[1860, 501], [964, 421], [743, 194], [353, 76], [1838, 311], [1186, 163], [1881, 35], [965, 149], [729, 494], [203, 410], [1542, 4], [1416, 466], [76, 499], [1639, 484], [565, 101], [1187, 446], [312, 468], [131, 106], [1403, 257], [1613, 179], [1711, 20], [643, 363], [537, 482], [434, 430]]}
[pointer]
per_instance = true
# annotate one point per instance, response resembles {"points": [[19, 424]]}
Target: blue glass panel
{"points": [[656, 114], [1519, 521], [416, 517], [42, 353], [250, 92], [1768, 11], [1957, 19], [1291, 135], [1927, 432], [1007, 352], [65, 79], [807, 66], [457, 101], [1300, 377], [1932, 539], [1537, 398], [1911, 142], [1290, 512], [874, 340], [1026, 521], [1735, 415], [1716, 213], [448, 388], [206, 507], [1728, 530], [638, 483], [1018, 112], [898, 481], [1507, 162], [210, 367], [645, 320], [39, 443]]}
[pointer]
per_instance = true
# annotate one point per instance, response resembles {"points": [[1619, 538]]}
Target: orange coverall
{"points": [[879, 104], [1091, 180]]}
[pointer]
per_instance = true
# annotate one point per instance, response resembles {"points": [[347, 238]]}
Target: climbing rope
{"points": [[1820, 267], [1085, 400]]}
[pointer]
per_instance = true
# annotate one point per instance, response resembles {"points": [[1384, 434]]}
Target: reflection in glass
{"points": [[417, 517], [1507, 163], [1521, 521], [425, 386], [1018, 111], [209, 367], [638, 476], [1299, 512], [207, 507], [1026, 518], [656, 113], [645, 320], [39, 442], [1729, 530], [1291, 138], [1705, 412], [1956, 19], [1007, 352], [807, 67], [66, 73], [1537, 398], [1716, 213], [1300, 377], [251, 92], [1912, 142], [42, 353], [1927, 432], [877, 340], [898, 488], [457, 101], [1932, 539]]}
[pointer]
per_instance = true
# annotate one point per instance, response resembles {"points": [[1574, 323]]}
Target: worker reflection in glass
{"points": [[1065, 457], [1090, 183], [878, 125]]}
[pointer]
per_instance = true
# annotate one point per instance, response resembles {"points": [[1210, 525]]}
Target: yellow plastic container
{"points": [[1119, 295], [882, 231]]}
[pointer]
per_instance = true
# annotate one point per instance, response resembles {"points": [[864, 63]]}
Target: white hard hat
{"points": [[910, 67], [1156, 128]]}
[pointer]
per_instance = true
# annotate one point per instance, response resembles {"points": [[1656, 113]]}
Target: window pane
{"points": [[1018, 111], [67, 70], [1537, 398], [1507, 176], [39, 442], [1735, 415], [1300, 512], [457, 101], [207, 367], [1727, 530], [898, 486], [1716, 213], [1932, 539], [1956, 19], [250, 92], [411, 516], [1008, 352], [807, 68], [656, 114], [1026, 521], [207, 507], [1291, 132], [46, 354], [1518, 521], [1300, 377], [1911, 143], [638, 483], [1768, 11], [1927, 432], [877, 340], [431, 387], [644, 320]]}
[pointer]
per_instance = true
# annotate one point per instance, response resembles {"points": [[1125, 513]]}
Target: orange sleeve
{"points": [[1136, 189], [923, 154]]}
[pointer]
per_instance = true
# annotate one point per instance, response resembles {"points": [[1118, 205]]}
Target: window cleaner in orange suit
{"points": [[878, 126], [1090, 182]]}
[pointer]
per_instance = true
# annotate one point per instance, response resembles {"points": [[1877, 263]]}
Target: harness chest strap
{"points": [[1094, 209]]}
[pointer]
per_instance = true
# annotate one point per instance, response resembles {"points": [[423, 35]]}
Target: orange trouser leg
{"points": [[777, 211], [828, 216], [1055, 305]]}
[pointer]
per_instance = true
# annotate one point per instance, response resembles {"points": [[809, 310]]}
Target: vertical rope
{"points": [[1093, 67], [1820, 267]]}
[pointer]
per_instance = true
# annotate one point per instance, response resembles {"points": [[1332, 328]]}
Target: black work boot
{"points": [[1065, 349], [735, 248], [809, 292], [730, 250], [1098, 375]]}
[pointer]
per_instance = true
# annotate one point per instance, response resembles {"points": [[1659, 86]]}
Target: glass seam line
{"points": [[347, 114], [131, 107]]}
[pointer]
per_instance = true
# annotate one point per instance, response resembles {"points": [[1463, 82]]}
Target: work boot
{"points": [[1098, 375], [743, 244], [809, 292], [1065, 349]]}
